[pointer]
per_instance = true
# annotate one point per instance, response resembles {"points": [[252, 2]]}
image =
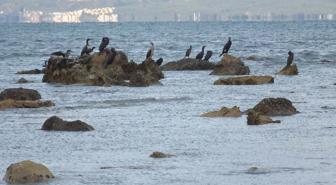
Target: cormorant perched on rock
{"points": [[111, 55], [159, 61], [188, 52], [86, 49], [150, 51], [290, 58], [226, 47], [61, 54], [200, 55], [105, 41], [208, 56]]}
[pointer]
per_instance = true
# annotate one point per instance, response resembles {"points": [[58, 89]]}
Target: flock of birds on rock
{"points": [[201, 56]]}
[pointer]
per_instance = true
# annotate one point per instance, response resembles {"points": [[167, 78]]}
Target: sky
{"points": [[165, 9]]}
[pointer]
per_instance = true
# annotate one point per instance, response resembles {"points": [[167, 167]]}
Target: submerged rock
{"points": [[245, 80], [230, 65], [19, 94], [22, 81], [160, 155], [57, 124], [27, 172], [34, 71], [12, 104], [275, 107], [188, 64], [224, 112], [289, 70], [256, 170], [256, 118], [98, 69]]}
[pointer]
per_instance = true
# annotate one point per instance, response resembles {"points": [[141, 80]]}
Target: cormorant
{"points": [[159, 61], [226, 47], [188, 52], [61, 54], [150, 51], [105, 41], [290, 58], [86, 49], [208, 56], [200, 55]]}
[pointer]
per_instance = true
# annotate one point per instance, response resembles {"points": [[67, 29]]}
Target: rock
{"points": [[57, 124], [256, 170], [289, 70], [160, 155], [252, 58], [275, 107], [224, 112], [188, 64], [34, 71], [94, 70], [11, 104], [230, 65], [245, 80], [27, 172], [22, 81], [256, 118], [19, 94]]}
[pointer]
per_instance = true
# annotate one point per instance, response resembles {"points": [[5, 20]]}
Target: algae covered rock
{"points": [[188, 64], [55, 123], [230, 65], [289, 70], [27, 172], [245, 80], [275, 107], [224, 112]]}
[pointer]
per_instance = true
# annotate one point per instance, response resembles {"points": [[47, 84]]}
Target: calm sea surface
{"points": [[131, 123]]}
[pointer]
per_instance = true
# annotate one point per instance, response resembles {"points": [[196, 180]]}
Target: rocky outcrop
{"points": [[96, 69], [257, 118], [22, 98], [160, 155], [289, 70], [224, 112], [34, 71], [27, 172], [188, 64], [57, 124], [19, 94], [275, 107], [245, 80], [230, 65], [22, 81]]}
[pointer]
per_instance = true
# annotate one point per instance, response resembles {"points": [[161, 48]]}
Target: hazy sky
{"points": [[147, 9]]}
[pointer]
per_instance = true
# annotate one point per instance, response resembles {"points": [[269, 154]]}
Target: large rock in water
{"points": [[188, 64], [94, 70], [22, 98], [224, 112], [19, 94], [230, 65], [257, 118], [289, 70], [245, 80], [275, 107], [27, 172], [57, 124]]}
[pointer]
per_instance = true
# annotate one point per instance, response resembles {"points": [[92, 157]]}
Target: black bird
{"points": [[188, 52], [86, 49], [105, 41], [226, 47], [150, 51], [208, 56], [290, 58], [112, 54], [200, 55], [61, 54], [159, 61]]}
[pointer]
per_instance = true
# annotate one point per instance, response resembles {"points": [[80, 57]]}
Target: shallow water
{"points": [[131, 123]]}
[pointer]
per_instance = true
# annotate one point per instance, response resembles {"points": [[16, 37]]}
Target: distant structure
{"points": [[84, 15]]}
